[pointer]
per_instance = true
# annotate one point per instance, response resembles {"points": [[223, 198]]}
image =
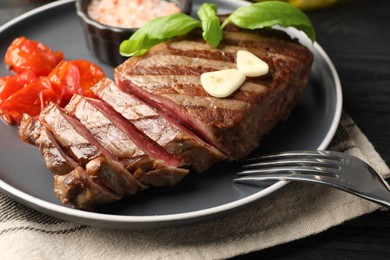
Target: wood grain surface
{"points": [[356, 36]]}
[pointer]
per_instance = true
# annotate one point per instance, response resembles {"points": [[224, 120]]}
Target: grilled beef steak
{"points": [[156, 122], [168, 78]]}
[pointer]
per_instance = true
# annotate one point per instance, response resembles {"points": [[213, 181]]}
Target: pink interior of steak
{"points": [[140, 139], [168, 133], [175, 112]]}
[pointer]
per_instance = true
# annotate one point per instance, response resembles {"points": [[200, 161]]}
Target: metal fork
{"points": [[334, 169]]}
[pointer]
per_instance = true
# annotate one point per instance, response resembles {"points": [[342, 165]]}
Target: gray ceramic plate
{"points": [[24, 176]]}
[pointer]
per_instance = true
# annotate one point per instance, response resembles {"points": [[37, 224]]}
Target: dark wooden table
{"points": [[356, 36]]}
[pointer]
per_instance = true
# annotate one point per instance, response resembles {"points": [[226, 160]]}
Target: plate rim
{"points": [[156, 221]]}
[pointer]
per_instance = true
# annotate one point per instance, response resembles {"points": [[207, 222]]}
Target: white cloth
{"points": [[296, 211]]}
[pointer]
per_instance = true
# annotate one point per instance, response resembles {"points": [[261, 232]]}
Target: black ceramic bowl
{"points": [[104, 40]]}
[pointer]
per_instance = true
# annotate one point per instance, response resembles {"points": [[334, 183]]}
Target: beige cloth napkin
{"points": [[296, 211]]}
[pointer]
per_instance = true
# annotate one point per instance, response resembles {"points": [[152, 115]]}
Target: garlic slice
{"points": [[222, 83], [250, 64]]}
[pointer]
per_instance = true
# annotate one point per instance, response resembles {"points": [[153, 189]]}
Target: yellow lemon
{"points": [[308, 4], [312, 4]]}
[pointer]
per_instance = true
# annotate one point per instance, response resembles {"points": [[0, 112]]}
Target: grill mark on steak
{"points": [[97, 117], [172, 64], [281, 46], [191, 85], [176, 139]]}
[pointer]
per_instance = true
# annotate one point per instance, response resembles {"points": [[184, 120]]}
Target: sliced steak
{"points": [[72, 184], [122, 139], [168, 78], [84, 148], [176, 139]]}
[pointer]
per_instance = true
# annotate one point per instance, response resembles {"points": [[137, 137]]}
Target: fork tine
{"points": [[327, 155], [287, 177], [308, 158], [292, 162], [304, 170]]}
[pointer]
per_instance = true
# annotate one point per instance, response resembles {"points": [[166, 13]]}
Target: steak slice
{"points": [[34, 132], [168, 78], [176, 139], [153, 167], [63, 129], [83, 148], [72, 184], [78, 190]]}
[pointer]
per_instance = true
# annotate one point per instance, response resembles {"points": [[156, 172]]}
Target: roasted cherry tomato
{"points": [[75, 77], [42, 76], [90, 74], [65, 80], [31, 100], [11, 84], [29, 55]]}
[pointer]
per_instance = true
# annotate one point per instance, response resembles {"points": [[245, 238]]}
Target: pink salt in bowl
{"points": [[103, 40]]}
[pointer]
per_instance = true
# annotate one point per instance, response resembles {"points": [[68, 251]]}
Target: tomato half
{"points": [[11, 84], [65, 80], [30, 100], [90, 74], [75, 77], [29, 55]]}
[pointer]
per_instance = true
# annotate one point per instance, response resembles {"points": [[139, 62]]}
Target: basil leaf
{"points": [[137, 46], [156, 31], [212, 32], [268, 14], [254, 16]]}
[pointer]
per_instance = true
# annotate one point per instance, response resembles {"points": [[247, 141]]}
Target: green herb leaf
{"points": [[212, 32], [156, 31], [254, 16], [270, 13]]}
